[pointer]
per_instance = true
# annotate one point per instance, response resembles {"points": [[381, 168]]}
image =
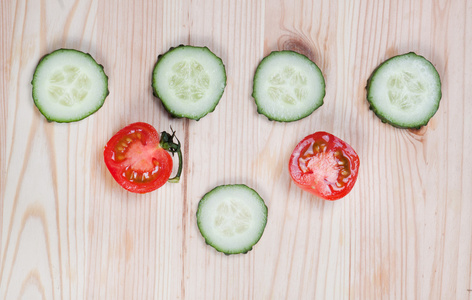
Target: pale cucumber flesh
{"points": [[232, 218], [189, 81], [288, 86], [69, 85], [405, 91]]}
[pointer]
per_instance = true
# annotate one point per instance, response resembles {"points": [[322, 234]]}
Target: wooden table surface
{"points": [[68, 231]]}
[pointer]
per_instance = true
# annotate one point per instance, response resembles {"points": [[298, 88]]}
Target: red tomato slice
{"points": [[324, 165], [137, 159]]}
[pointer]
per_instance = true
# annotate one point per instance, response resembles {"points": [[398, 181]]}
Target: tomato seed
{"points": [[302, 165]]}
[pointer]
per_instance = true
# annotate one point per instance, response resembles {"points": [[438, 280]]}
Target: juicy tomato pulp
{"points": [[136, 159], [324, 165]]}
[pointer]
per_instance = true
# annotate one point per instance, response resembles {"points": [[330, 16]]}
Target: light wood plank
{"points": [[68, 231]]}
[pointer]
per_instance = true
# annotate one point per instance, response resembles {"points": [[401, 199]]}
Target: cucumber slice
{"points": [[69, 85], [189, 81], [288, 86], [405, 91], [232, 218]]}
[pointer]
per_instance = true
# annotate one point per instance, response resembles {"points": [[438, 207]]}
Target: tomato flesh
{"points": [[324, 165], [136, 159]]}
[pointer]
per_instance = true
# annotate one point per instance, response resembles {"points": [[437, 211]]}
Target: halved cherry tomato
{"points": [[138, 160], [324, 165]]}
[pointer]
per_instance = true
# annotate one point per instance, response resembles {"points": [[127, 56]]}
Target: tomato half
{"points": [[324, 165], [138, 160]]}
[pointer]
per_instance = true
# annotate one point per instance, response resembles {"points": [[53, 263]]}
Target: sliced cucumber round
{"points": [[69, 85], [405, 91], [288, 86], [189, 81], [232, 218]]}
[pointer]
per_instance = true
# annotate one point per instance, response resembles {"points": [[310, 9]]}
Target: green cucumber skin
{"points": [[261, 111], [243, 250], [42, 59], [385, 119], [155, 91]]}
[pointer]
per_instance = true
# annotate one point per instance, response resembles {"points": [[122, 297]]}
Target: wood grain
{"points": [[68, 231]]}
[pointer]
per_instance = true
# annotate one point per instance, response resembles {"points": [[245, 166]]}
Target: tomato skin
{"points": [[324, 165], [136, 160]]}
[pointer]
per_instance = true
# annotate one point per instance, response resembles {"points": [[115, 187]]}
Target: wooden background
{"points": [[68, 231]]}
